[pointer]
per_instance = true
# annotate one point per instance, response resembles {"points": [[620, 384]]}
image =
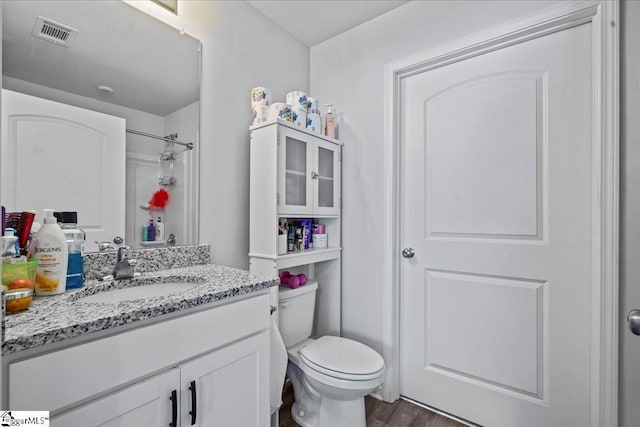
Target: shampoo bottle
{"points": [[151, 232], [330, 124], [51, 250], [159, 229]]}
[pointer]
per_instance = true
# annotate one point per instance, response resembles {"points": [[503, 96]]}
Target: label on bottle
{"points": [[75, 271], [52, 268]]}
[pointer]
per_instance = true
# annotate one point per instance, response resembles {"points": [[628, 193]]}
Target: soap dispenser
{"points": [[330, 123]]}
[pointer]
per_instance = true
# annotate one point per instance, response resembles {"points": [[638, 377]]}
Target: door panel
{"points": [[295, 189], [230, 390], [326, 199], [81, 167], [508, 167], [144, 404], [496, 191]]}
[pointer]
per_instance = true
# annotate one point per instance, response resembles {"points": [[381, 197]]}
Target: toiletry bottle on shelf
{"points": [[151, 232], [145, 233], [68, 221], [159, 229], [52, 251], [330, 123], [9, 246], [291, 236]]}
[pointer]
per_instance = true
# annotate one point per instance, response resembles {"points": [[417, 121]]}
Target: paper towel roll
{"points": [[278, 353]]}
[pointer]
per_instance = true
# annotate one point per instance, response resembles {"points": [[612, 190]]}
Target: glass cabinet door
{"points": [[295, 186], [326, 179]]}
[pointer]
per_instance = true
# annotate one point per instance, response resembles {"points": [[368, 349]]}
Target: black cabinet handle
{"points": [[192, 412], [174, 409]]}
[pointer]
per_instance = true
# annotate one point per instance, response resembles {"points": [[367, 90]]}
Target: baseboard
{"points": [[438, 411]]}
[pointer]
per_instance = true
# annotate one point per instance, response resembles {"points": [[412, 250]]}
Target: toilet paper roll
{"points": [[300, 117], [278, 368], [260, 96], [314, 123], [297, 100], [280, 110], [313, 105], [260, 114]]}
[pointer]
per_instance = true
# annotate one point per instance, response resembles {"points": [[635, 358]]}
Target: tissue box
{"points": [[320, 241]]}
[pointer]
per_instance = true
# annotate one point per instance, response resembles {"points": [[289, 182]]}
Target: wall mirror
{"points": [[70, 67]]}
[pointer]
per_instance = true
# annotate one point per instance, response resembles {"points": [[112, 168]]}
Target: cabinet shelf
{"points": [[309, 256], [294, 172], [300, 129]]}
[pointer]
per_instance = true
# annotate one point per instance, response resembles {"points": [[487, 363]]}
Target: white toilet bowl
{"points": [[329, 392], [330, 375]]}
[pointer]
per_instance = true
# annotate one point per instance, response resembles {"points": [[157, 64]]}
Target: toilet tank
{"points": [[295, 308]]}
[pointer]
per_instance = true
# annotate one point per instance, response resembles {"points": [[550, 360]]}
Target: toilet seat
{"points": [[342, 358]]}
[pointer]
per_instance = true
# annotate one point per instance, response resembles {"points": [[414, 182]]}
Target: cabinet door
{"points": [[294, 172], [147, 403], [231, 386], [326, 179]]}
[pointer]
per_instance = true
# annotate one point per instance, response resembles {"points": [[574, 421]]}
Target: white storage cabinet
{"points": [[296, 174]]}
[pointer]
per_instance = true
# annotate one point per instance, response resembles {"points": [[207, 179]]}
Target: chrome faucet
{"points": [[124, 264]]}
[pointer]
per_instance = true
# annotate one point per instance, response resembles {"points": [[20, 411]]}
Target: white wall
{"points": [[180, 217], [348, 71], [242, 49]]}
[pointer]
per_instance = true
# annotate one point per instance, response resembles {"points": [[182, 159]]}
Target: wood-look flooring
{"points": [[379, 414]]}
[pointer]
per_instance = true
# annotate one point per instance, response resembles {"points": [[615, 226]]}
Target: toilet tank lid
{"points": [[285, 293]]}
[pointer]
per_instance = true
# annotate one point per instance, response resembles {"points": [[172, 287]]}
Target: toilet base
{"points": [[311, 409]]}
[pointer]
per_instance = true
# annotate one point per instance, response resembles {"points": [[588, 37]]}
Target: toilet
{"points": [[330, 375]]}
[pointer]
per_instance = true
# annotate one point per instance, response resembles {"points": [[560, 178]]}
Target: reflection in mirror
{"points": [[76, 74]]}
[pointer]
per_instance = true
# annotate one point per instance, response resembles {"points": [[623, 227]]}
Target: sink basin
{"points": [[139, 292]]}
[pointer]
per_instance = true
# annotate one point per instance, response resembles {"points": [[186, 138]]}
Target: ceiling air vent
{"points": [[53, 32]]}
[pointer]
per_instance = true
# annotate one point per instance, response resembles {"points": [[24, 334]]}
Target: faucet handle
{"points": [[123, 253], [105, 246]]}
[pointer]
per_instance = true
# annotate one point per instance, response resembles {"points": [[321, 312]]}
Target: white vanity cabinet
{"points": [[210, 367], [296, 174]]}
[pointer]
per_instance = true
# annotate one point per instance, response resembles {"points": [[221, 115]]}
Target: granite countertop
{"points": [[57, 318]]}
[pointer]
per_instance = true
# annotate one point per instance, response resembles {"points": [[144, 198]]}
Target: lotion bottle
{"points": [[330, 124], [159, 229], [53, 253]]}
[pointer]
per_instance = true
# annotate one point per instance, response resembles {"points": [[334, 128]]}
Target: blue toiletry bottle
{"points": [[75, 237], [145, 233]]}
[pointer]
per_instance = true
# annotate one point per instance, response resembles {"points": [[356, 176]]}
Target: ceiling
{"points": [[117, 46], [314, 21], [150, 66]]}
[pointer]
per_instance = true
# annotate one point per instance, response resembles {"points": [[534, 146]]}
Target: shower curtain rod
{"points": [[189, 145]]}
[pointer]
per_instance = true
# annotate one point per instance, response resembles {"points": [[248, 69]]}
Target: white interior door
{"points": [[65, 158], [496, 201]]}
